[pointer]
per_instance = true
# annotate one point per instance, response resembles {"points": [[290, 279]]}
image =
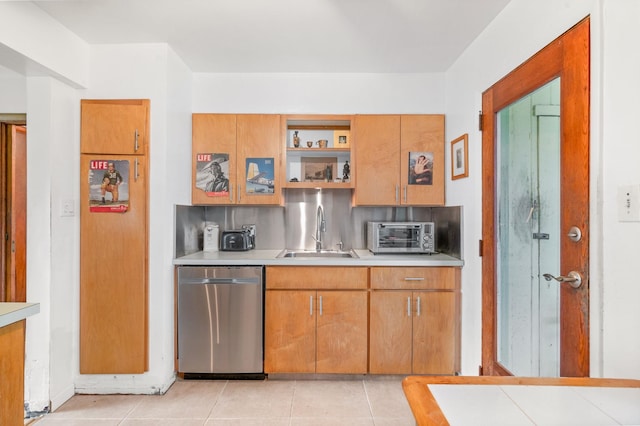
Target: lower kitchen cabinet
{"points": [[318, 328], [412, 332], [357, 320], [414, 325]]}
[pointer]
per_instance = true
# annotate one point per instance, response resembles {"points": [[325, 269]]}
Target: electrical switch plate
{"points": [[67, 208], [629, 203]]}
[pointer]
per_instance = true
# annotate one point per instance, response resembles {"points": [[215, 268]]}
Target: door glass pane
{"points": [[528, 218]]}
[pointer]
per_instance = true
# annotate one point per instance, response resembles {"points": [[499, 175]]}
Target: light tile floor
{"points": [[371, 402]]}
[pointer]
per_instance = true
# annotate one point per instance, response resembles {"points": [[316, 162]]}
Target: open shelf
{"points": [[308, 164]]}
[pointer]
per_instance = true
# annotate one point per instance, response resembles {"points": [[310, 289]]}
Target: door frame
{"points": [[566, 57]]}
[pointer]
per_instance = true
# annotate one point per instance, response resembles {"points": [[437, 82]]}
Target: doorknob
{"points": [[573, 278]]}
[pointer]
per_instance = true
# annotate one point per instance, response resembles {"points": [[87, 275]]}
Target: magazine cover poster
{"points": [[421, 168], [108, 186], [212, 174], [260, 176]]}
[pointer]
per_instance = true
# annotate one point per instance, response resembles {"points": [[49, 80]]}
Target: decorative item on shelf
{"points": [[295, 179], [322, 143], [296, 139], [318, 169], [328, 173], [341, 138], [309, 144], [346, 171]]}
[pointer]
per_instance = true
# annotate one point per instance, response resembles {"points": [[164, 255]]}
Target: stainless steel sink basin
{"points": [[287, 253]]}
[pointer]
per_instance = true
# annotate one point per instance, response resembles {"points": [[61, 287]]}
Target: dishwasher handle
{"points": [[219, 281]]}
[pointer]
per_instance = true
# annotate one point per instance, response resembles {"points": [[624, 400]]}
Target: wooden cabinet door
{"points": [[377, 160], [213, 134], [418, 134], [341, 332], [114, 126], [113, 277], [390, 322], [434, 333], [259, 137], [290, 331]]}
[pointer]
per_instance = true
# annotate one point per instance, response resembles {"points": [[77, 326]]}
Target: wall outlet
{"points": [[629, 203]]}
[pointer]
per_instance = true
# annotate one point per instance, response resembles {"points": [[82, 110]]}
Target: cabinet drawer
{"points": [[419, 278], [316, 277]]}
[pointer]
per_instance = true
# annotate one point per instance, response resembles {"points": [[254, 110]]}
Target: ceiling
{"points": [[265, 36]]}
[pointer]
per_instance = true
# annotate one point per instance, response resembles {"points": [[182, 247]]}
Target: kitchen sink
{"points": [[287, 253]]}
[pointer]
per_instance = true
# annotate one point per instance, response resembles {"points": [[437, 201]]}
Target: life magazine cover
{"points": [[212, 174], [108, 186]]}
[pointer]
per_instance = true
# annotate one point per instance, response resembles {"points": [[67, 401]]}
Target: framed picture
{"points": [[319, 169], [459, 157], [341, 139]]}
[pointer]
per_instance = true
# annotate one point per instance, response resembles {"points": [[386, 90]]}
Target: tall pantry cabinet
{"points": [[114, 144]]}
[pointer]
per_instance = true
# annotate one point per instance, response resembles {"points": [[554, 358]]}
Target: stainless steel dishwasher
{"points": [[220, 321]]}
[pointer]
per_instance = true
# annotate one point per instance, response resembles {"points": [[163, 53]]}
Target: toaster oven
{"points": [[401, 237]]}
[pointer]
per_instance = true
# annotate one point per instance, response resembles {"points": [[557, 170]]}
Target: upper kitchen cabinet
{"points": [[399, 160], [119, 126], [236, 159], [318, 151]]}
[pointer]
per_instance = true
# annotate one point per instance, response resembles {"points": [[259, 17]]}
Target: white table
{"points": [[516, 401]]}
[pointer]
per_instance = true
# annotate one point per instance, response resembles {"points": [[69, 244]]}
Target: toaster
{"points": [[236, 240]]}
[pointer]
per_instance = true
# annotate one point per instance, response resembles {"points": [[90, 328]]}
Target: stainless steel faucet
{"points": [[321, 227]]}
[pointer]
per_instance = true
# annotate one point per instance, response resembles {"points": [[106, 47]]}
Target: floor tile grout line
{"points": [[293, 397], [217, 401], [366, 394]]}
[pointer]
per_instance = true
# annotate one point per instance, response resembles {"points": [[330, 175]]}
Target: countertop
{"points": [[269, 257], [11, 312]]}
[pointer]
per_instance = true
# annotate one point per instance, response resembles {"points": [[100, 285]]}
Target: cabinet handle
{"points": [[397, 189], [414, 278], [135, 170], [135, 142], [239, 191], [418, 306], [320, 305], [408, 306], [231, 193], [310, 306], [405, 193]]}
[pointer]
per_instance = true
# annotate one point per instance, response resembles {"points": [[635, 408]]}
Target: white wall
{"points": [[619, 143], [319, 93]]}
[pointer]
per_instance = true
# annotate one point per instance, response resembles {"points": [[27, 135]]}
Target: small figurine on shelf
{"points": [[329, 173], [296, 139], [346, 171]]}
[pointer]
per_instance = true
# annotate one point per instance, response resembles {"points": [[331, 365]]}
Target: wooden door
{"points": [[434, 332], [13, 203], [114, 126], [259, 148], [390, 325], [422, 135], [566, 58], [341, 332], [213, 141], [113, 276], [290, 331], [377, 160]]}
